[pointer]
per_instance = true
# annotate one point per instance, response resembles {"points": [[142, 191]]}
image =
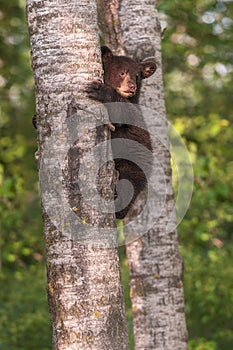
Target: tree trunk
{"points": [[84, 286], [156, 268], [108, 21]]}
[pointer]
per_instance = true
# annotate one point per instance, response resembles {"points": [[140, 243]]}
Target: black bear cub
{"points": [[131, 142]]}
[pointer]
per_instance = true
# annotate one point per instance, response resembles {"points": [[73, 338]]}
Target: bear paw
{"points": [[94, 90]]}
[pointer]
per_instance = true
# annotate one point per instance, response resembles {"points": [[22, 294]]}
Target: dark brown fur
{"points": [[122, 82]]}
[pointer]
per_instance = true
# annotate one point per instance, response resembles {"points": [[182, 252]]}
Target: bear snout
{"points": [[132, 87]]}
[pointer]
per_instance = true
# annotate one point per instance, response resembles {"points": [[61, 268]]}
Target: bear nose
{"points": [[132, 86]]}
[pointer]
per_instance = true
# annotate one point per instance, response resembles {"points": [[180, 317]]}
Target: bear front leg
{"points": [[111, 126], [97, 90]]}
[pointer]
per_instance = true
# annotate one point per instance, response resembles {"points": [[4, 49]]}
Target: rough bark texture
{"points": [[108, 20], [156, 268], [84, 286], [154, 260]]}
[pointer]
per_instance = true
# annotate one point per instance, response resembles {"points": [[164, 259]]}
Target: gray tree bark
{"points": [[83, 276], [108, 21], [156, 267]]}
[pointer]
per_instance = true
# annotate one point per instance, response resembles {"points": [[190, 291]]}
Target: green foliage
{"points": [[126, 288], [24, 318], [202, 344], [208, 289], [197, 63], [18, 179]]}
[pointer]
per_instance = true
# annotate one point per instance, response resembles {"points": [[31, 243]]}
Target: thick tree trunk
{"points": [[84, 286], [155, 264]]}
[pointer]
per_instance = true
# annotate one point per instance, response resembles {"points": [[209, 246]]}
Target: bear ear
{"points": [[148, 68], [106, 53]]}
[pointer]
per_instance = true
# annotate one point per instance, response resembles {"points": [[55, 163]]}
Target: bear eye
{"points": [[122, 74]]}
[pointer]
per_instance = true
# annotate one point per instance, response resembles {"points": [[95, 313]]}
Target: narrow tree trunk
{"points": [[108, 20], [155, 264], [84, 286]]}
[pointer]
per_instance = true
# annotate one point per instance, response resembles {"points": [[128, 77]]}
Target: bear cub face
{"points": [[124, 74]]}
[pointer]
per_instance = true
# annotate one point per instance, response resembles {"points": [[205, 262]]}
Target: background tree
{"points": [[154, 260], [84, 286]]}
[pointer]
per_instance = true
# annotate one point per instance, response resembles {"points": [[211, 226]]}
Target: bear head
{"points": [[124, 74]]}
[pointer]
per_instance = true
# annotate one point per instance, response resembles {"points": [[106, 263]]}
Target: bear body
{"points": [[131, 142]]}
